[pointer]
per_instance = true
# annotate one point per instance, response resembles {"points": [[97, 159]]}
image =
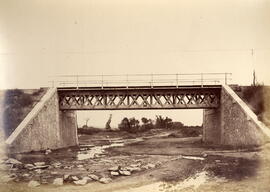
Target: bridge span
{"points": [[139, 97], [227, 120]]}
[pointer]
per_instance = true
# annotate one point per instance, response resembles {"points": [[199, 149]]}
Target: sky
{"points": [[41, 38]]}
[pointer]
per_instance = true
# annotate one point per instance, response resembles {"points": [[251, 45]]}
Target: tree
{"points": [[163, 122], [147, 124], [131, 125], [124, 125]]}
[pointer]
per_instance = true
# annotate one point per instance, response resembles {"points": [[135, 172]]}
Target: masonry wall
{"points": [[44, 127], [211, 126], [68, 131], [233, 123]]}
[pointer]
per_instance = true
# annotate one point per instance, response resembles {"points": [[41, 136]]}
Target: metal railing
{"points": [[151, 80]]}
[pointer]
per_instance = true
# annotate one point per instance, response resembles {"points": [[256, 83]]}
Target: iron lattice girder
{"points": [[139, 98]]}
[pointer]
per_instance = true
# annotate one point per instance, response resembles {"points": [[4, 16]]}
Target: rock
{"points": [[217, 161], [48, 151], [83, 181], [38, 171], [125, 173], [81, 169], [33, 184], [26, 175], [136, 165], [67, 167], [44, 181], [87, 178], [66, 176], [105, 180], [116, 168], [6, 178], [131, 169], [114, 173], [56, 165], [149, 166], [94, 177], [54, 172], [204, 155], [29, 166], [158, 163], [74, 178], [39, 163], [58, 181], [13, 161], [80, 166]]}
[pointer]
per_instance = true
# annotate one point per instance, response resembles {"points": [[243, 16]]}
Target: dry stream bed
{"points": [[157, 160]]}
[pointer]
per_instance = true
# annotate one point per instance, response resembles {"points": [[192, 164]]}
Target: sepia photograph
{"points": [[135, 95]]}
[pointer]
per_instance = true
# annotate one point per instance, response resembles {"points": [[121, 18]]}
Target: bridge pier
{"points": [[68, 128], [232, 123]]}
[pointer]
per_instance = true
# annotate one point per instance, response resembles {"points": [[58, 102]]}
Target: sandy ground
{"points": [[163, 163]]}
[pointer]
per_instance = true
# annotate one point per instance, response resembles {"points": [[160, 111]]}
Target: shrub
{"points": [[14, 102]]}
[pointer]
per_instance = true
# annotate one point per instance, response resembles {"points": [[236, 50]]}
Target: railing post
{"points": [[127, 80], [225, 78], [102, 81], [151, 80], [176, 80], [77, 81], [201, 79]]}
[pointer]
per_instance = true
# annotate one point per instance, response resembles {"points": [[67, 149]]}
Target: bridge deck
{"points": [[139, 97]]}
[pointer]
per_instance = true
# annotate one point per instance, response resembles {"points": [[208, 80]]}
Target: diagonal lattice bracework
{"points": [[116, 98]]}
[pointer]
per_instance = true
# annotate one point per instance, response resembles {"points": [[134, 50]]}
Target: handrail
{"points": [[152, 80]]}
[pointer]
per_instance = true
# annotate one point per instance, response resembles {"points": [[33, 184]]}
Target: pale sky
{"points": [[39, 38]]}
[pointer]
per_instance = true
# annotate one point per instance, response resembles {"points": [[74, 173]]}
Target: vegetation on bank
{"points": [[257, 98], [134, 126], [16, 105]]}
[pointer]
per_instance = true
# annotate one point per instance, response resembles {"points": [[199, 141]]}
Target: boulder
{"points": [[105, 180], [38, 171], [26, 175], [39, 163], [58, 181], [66, 176], [93, 177], [29, 166], [114, 173], [13, 161], [115, 168], [56, 165], [82, 181], [48, 151], [131, 169], [74, 178], [6, 178], [33, 184], [149, 166], [125, 172]]}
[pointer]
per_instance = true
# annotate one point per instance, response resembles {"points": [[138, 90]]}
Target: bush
{"points": [[14, 102], [254, 96]]}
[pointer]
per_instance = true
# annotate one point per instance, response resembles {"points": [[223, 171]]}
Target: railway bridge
{"points": [[227, 120]]}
